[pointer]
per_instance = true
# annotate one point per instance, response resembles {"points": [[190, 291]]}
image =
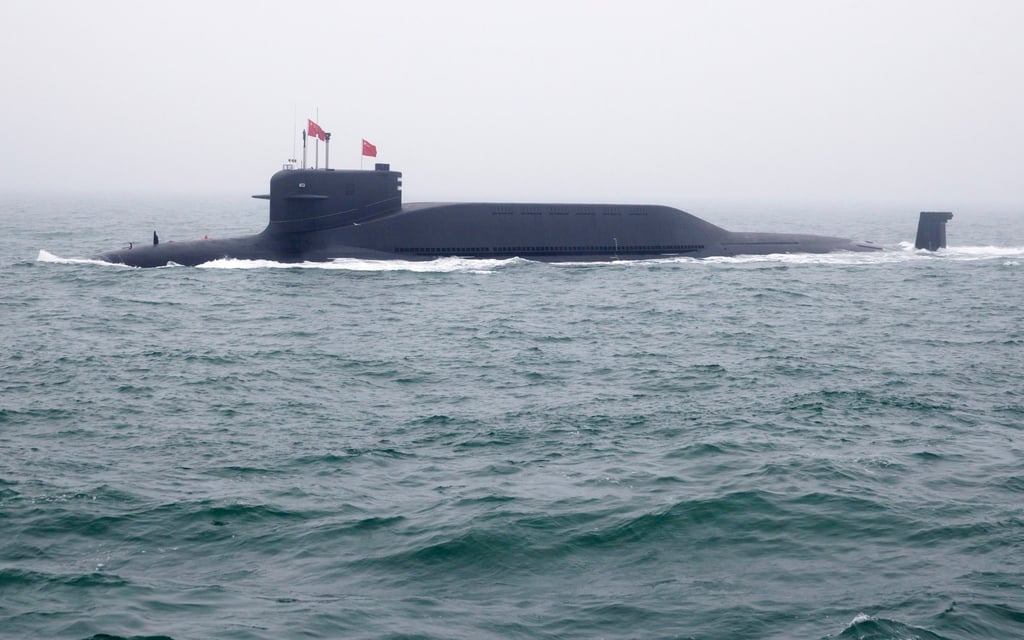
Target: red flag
{"points": [[316, 131], [369, 149]]}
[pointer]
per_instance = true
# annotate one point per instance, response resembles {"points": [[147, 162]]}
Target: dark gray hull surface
{"points": [[319, 215]]}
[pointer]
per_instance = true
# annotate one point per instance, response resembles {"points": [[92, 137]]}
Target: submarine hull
{"points": [[553, 233], [433, 231], [319, 215]]}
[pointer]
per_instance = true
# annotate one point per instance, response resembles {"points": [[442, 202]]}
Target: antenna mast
{"points": [[292, 161], [295, 117]]}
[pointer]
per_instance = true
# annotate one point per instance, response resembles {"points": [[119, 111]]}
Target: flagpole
{"points": [[303, 148]]}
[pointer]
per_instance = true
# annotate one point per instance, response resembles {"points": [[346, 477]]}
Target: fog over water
{"points": [[728, 101]]}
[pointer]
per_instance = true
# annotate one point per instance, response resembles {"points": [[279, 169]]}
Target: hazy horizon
{"points": [[683, 102]]}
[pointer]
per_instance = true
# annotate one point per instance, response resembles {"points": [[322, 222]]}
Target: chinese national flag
{"points": [[315, 131], [369, 149]]}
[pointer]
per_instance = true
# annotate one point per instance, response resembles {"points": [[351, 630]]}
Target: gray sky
{"points": [[732, 100]]}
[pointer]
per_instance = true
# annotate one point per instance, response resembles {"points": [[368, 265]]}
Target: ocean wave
{"points": [[865, 627], [157, 526], [37, 580], [107, 636], [470, 550], [511, 540]]}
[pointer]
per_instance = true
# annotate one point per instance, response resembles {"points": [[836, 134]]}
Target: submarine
{"points": [[320, 214]]}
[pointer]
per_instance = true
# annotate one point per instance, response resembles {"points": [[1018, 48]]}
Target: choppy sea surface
{"points": [[774, 447]]}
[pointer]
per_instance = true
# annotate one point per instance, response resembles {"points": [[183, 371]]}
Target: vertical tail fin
{"points": [[931, 230]]}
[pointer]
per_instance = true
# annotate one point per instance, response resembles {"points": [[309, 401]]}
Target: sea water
{"points": [[789, 446]]}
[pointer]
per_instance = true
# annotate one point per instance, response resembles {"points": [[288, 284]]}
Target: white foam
{"points": [[904, 253], [859, 618], [46, 256], [233, 263], [838, 258], [983, 252], [439, 265]]}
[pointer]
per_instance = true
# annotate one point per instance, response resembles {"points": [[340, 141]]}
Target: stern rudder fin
{"points": [[931, 230]]}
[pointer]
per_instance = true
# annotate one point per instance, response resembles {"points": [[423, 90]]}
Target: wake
{"points": [[903, 253]]}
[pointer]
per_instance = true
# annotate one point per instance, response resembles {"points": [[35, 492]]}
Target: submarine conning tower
{"points": [[304, 200]]}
